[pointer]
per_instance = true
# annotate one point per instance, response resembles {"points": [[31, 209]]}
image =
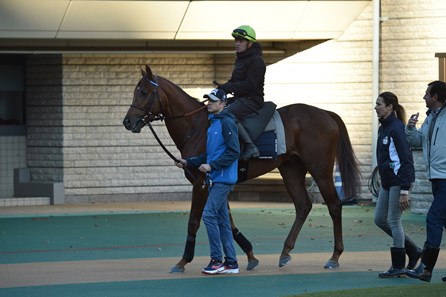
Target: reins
{"points": [[160, 143], [186, 114], [167, 151], [160, 117]]}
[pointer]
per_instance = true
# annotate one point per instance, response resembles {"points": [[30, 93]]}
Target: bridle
{"points": [[149, 117], [154, 95]]}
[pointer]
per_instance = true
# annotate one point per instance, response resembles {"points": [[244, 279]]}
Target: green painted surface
{"points": [[155, 234], [42, 238]]}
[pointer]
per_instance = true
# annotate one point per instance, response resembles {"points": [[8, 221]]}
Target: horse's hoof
{"points": [[331, 264], [177, 269], [252, 264], [284, 261]]}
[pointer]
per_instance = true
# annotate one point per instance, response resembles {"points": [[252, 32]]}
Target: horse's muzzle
{"points": [[134, 126]]}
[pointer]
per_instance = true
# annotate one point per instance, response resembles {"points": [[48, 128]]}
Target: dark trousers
{"points": [[242, 107], [436, 217]]}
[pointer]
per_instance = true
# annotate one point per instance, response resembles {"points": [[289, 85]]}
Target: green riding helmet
{"points": [[245, 32]]}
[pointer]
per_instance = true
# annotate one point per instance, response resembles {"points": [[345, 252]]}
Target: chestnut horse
{"points": [[315, 139]]}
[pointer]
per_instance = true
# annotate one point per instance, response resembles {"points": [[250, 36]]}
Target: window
{"points": [[12, 90], [442, 66]]}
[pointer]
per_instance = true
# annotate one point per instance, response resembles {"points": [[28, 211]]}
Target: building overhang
{"points": [[107, 25]]}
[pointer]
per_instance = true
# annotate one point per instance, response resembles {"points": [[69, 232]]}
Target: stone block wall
{"points": [[104, 161], [76, 102], [44, 117], [411, 34], [337, 74]]}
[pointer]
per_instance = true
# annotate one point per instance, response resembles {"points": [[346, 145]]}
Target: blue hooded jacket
{"points": [[222, 149]]}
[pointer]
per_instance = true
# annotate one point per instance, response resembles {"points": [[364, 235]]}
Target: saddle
{"points": [[266, 130]]}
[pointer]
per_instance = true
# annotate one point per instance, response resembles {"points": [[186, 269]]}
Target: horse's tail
{"points": [[346, 159]]}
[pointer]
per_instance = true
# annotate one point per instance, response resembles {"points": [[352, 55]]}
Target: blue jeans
{"points": [[388, 214], [218, 225], [436, 217]]}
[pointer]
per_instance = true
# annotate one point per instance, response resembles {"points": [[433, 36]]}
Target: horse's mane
{"points": [[180, 89]]}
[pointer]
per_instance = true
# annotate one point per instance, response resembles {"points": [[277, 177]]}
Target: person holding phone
{"points": [[431, 137]]}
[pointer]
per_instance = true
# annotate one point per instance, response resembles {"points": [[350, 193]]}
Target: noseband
{"points": [[149, 116]]}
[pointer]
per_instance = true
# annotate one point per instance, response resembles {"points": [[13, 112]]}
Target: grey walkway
{"points": [[128, 250]]}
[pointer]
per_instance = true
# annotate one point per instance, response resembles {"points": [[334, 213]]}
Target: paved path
{"points": [[114, 208], [149, 276], [78, 272]]}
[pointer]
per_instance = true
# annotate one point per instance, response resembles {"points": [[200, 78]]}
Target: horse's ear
{"points": [[149, 72], [143, 72]]}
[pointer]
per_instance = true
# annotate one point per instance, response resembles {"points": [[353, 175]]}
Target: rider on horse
{"points": [[246, 83]]}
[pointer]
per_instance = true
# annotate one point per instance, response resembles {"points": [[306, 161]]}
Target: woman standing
{"points": [[395, 165]]}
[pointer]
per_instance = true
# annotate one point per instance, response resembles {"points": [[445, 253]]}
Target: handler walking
{"points": [[220, 164]]}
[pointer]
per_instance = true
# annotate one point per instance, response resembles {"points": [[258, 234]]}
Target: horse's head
{"points": [[146, 104]]}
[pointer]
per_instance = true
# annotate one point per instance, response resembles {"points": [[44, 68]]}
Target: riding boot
{"points": [[398, 256], [413, 252], [250, 150], [428, 260]]}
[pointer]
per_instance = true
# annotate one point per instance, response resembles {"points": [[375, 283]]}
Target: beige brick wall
{"points": [[76, 105], [337, 74], [412, 33], [79, 137], [103, 161]]}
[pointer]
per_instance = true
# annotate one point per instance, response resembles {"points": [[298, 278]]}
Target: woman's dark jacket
{"points": [[248, 76], [395, 160]]}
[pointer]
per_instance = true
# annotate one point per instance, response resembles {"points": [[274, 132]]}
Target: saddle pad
{"points": [[276, 124], [270, 146], [267, 145], [271, 142]]}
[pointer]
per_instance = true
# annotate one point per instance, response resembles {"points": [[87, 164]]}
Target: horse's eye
{"points": [[143, 91]]}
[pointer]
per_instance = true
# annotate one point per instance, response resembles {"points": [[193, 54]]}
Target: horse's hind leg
{"points": [[245, 245], [334, 205], [293, 173]]}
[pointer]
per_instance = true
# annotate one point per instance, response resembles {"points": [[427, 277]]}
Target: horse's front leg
{"points": [[244, 244], [199, 197]]}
